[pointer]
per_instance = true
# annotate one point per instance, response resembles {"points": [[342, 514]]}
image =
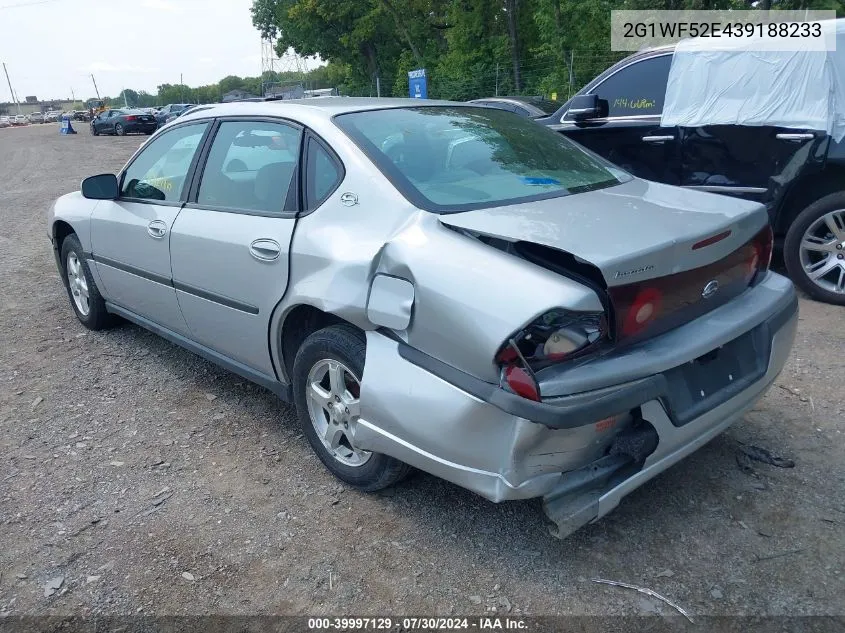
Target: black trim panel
{"points": [[167, 281], [282, 390], [138, 272], [210, 296]]}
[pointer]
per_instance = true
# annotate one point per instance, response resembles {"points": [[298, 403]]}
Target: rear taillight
{"points": [[644, 309], [763, 244], [555, 336], [131, 117], [522, 383]]}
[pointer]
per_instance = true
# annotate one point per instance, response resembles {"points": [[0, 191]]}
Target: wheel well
{"points": [[805, 192], [299, 324], [61, 230]]}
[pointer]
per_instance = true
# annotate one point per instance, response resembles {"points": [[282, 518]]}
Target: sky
{"points": [[51, 47]]}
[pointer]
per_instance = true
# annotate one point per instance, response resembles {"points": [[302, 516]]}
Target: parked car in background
{"points": [[171, 108], [124, 121], [81, 115], [20, 119], [194, 108], [570, 331], [798, 174], [52, 116], [531, 107], [36, 117], [5, 121]]}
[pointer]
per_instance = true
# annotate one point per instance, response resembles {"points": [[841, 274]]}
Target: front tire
{"points": [[814, 249], [85, 298], [94, 131], [327, 388]]}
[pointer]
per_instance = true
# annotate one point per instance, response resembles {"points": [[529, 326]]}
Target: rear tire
{"points": [[815, 243], [326, 382], [119, 130], [85, 298]]}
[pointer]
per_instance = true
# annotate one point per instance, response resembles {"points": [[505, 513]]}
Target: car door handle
{"points": [[658, 139], [157, 229], [795, 137], [265, 249]]}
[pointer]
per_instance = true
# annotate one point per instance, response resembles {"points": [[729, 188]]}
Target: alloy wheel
{"points": [[822, 252], [333, 393], [78, 284]]}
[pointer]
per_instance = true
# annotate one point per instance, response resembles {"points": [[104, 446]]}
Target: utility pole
{"points": [[97, 90], [497, 79], [72, 95], [378, 86], [9, 81], [181, 90], [125, 105]]}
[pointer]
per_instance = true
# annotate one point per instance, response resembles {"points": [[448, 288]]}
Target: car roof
{"points": [[310, 107]]}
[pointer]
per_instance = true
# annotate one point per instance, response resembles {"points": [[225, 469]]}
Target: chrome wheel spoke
{"points": [[840, 283], [332, 436], [817, 244], [336, 379], [835, 224], [821, 268], [319, 395]]}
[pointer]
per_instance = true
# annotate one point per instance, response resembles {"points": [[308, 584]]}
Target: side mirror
{"points": [[100, 187], [584, 107]]}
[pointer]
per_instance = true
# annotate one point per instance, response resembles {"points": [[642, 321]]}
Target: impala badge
{"points": [[710, 289]]}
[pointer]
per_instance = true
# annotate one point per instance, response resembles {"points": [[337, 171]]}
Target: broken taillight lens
{"points": [[555, 336], [522, 383]]}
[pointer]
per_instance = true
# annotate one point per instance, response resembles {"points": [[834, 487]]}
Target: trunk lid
{"points": [[632, 232], [666, 255]]}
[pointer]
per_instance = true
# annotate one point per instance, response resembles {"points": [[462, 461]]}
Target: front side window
{"points": [[638, 89], [456, 158], [159, 171], [250, 166]]}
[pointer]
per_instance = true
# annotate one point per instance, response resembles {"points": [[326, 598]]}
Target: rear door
{"points": [[630, 135], [131, 236], [752, 162], [230, 244]]}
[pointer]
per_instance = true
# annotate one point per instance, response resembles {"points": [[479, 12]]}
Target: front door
{"points": [[230, 244], [630, 135], [130, 236]]}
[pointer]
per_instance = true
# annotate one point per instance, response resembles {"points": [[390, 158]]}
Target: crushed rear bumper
{"points": [[566, 449]]}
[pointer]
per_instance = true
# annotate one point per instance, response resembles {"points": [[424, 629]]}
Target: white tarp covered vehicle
{"points": [[802, 89]]}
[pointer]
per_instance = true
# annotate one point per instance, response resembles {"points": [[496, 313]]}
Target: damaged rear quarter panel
{"points": [[469, 297]]}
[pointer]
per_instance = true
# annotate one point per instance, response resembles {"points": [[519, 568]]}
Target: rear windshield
{"points": [[448, 159]]}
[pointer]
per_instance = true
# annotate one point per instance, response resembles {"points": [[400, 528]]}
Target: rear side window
{"points": [[159, 171], [638, 89], [250, 166], [323, 175]]}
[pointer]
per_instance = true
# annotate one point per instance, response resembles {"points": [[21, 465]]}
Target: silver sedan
{"points": [[440, 286]]}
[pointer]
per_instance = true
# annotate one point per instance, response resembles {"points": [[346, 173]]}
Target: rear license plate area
{"points": [[713, 378]]}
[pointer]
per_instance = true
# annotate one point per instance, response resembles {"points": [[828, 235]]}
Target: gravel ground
{"points": [[137, 477]]}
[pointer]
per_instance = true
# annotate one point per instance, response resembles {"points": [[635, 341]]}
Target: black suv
{"points": [[798, 174]]}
